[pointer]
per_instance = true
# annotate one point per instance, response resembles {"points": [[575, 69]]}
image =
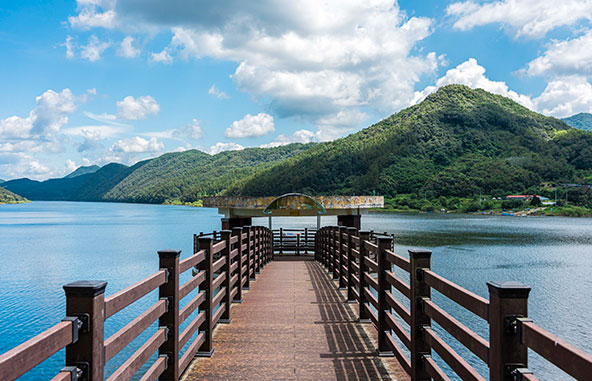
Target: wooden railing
{"points": [[221, 268], [364, 266]]}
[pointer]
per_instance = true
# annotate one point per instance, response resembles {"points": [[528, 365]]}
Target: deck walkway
{"points": [[294, 325]]}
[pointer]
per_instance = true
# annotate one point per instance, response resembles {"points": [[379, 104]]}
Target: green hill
{"points": [[181, 175], [583, 121], [83, 171], [7, 197], [457, 142]]}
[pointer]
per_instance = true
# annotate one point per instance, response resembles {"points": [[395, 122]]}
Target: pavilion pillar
{"points": [[236, 222], [350, 221]]}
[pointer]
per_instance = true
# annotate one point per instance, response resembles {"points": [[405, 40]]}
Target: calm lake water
{"points": [[44, 245]]}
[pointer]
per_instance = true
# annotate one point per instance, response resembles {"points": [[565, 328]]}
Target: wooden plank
{"points": [[194, 260], [118, 301]]}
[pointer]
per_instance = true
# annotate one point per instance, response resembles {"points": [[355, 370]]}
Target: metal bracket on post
{"points": [[76, 326], [82, 371], [517, 371], [169, 302], [513, 325], [168, 273], [76, 374], [167, 329]]}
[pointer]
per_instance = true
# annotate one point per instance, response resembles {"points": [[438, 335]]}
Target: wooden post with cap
{"points": [[86, 300], [420, 261], [206, 349], [384, 243], [363, 315], [169, 261]]}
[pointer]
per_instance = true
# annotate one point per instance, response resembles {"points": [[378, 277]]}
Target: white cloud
{"points": [[69, 47], [133, 109], [162, 57], [309, 59], [44, 121], [93, 49], [127, 48], [92, 14], [530, 18], [137, 145], [300, 136], [570, 57], [472, 74], [189, 131], [220, 147], [217, 92], [565, 96], [251, 126]]}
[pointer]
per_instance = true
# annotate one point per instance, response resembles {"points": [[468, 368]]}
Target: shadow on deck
{"points": [[294, 324]]}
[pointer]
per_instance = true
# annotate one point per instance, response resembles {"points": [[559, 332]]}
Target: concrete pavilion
{"points": [[239, 210]]}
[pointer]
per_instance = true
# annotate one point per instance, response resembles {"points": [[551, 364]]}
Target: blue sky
{"points": [[98, 81]]}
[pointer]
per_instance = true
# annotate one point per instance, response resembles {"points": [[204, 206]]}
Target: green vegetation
{"points": [[83, 171], [583, 121], [7, 197], [443, 153], [458, 142]]}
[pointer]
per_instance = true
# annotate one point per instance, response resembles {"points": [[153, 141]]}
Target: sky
{"points": [[98, 81]]}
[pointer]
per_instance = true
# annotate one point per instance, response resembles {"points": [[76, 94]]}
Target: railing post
{"points": [[507, 301], [225, 236], [270, 238], [206, 349], [351, 232], [237, 232], [86, 300], [363, 313], [420, 261], [384, 243], [169, 261], [247, 230], [305, 240], [257, 246], [342, 257], [336, 252], [281, 240]]}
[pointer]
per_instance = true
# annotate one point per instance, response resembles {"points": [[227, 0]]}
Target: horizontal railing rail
{"points": [[223, 265], [365, 264]]}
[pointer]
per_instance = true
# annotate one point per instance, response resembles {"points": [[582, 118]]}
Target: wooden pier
{"points": [[249, 312]]}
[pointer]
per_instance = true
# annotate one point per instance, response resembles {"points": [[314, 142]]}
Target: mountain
{"points": [[7, 197], [457, 142], [83, 171], [583, 121], [180, 175]]}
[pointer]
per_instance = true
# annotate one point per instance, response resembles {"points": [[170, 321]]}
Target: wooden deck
{"points": [[294, 324]]}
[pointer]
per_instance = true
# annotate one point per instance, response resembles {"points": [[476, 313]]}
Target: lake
{"points": [[44, 245]]}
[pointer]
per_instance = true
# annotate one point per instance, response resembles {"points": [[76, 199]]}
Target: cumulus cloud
{"points": [[69, 45], [570, 57], [528, 18], [163, 57], [93, 49], [220, 147], [134, 109], [94, 14], [300, 136], [127, 48], [471, 74], [217, 92], [44, 121], [137, 145], [565, 96], [309, 59], [251, 126], [188, 131]]}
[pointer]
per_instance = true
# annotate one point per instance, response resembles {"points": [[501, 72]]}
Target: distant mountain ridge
{"points": [[457, 142], [83, 171], [582, 121]]}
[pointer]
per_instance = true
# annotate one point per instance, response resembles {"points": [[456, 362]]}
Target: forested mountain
{"points": [[83, 171], [583, 121], [180, 175], [457, 142], [7, 197]]}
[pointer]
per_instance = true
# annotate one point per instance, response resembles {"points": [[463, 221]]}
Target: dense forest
{"points": [[582, 121], [7, 197], [457, 143]]}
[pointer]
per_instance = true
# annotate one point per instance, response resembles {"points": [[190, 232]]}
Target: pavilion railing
{"points": [[223, 265], [366, 266]]}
